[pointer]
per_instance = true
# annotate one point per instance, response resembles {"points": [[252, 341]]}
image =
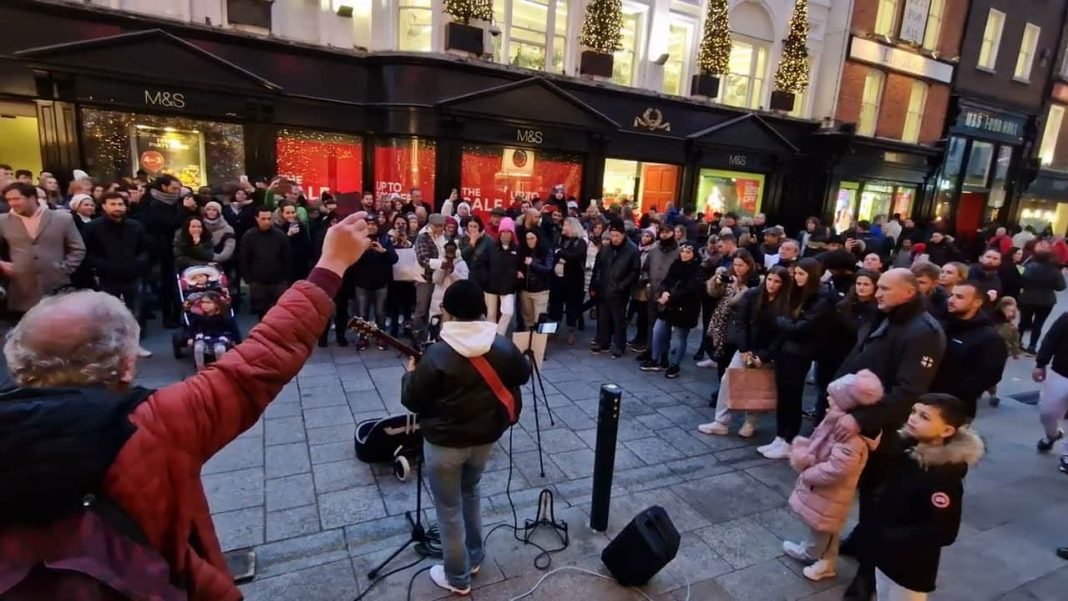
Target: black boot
{"points": [[862, 588]]}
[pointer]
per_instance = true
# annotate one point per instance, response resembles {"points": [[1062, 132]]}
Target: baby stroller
{"points": [[394, 439], [197, 287]]}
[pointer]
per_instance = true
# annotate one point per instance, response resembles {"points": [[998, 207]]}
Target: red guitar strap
{"points": [[494, 381]]}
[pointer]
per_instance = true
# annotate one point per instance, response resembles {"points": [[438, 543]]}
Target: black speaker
{"points": [[643, 548]]}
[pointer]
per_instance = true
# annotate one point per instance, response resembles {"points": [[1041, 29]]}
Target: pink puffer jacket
{"points": [[829, 474]]}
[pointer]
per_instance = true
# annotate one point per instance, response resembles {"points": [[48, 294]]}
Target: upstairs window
{"points": [[933, 30], [886, 18], [870, 101], [914, 116], [1026, 58], [748, 65], [415, 20], [252, 13], [1049, 137], [988, 52]]}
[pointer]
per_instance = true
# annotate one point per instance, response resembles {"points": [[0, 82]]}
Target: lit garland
{"points": [[792, 74], [465, 10], [713, 57], [602, 28]]}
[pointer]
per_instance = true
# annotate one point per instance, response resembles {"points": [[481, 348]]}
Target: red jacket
{"points": [[156, 476]]}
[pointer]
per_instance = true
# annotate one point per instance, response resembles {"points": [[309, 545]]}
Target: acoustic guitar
{"points": [[371, 330]]}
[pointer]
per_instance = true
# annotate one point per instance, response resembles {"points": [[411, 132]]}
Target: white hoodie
{"points": [[469, 338]]}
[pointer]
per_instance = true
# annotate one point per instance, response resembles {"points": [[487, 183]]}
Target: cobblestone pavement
{"points": [[292, 488]]}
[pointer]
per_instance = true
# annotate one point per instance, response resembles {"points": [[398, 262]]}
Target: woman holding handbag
{"points": [[725, 289], [568, 284], [800, 331], [679, 307], [755, 330]]}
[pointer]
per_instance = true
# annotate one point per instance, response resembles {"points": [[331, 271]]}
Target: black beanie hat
{"points": [[464, 301], [616, 225]]}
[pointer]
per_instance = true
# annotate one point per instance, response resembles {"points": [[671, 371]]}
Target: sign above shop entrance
{"points": [[990, 124], [897, 59]]}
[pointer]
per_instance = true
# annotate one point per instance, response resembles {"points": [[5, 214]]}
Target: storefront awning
{"points": [[1049, 185], [750, 132], [531, 100]]}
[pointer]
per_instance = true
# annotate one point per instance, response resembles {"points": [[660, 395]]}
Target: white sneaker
{"points": [[474, 569], [437, 576], [715, 428], [747, 430], [143, 353], [764, 448], [706, 363], [797, 551], [779, 450], [820, 570]]}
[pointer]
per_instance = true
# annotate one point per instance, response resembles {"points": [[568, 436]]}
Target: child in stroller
{"points": [[208, 321]]}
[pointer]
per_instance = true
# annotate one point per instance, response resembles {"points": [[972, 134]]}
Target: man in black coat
{"points": [[975, 353], [986, 274], [265, 261], [162, 215], [904, 346], [116, 250], [614, 273], [466, 392]]}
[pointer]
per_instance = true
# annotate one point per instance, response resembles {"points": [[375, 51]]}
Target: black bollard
{"points": [[604, 458]]}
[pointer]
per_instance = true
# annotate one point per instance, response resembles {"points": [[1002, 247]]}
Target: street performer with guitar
{"points": [[465, 390]]}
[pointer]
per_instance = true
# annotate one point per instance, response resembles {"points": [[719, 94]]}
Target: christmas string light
{"points": [[792, 74], [465, 10], [602, 28], [713, 57]]}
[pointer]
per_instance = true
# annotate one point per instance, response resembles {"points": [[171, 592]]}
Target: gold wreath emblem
{"points": [[653, 120]]}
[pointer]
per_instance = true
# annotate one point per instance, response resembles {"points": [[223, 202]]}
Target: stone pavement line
{"points": [[319, 528]]}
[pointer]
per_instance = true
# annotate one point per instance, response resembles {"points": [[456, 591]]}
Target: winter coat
{"points": [[265, 256], [116, 251], [82, 278], [1040, 283], [615, 270], [374, 270], [752, 331], [44, 264], [428, 252], [573, 252], [214, 326], [904, 348], [844, 328], [147, 449], [222, 237], [242, 220], [829, 472], [472, 254], [188, 254], [1054, 347], [942, 253], [538, 275], [918, 511], [456, 406], [657, 262], [161, 221], [802, 336], [1011, 276], [300, 251], [682, 282], [974, 359], [497, 270]]}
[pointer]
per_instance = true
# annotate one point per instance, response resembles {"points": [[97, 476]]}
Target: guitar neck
{"points": [[369, 329]]}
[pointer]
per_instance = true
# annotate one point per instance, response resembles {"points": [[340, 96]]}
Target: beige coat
{"points": [[43, 264]]}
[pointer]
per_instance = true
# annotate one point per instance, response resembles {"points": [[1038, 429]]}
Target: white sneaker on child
{"points": [[820, 570], [780, 449], [798, 551]]}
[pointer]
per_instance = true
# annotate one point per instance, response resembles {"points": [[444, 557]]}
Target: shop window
{"points": [[680, 41], [979, 159], [886, 18], [200, 153], [560, 37], [869, 103], [625, 67], [1049, 137], [744, 86], [405, 163], [875, 200], [1026, 59], [722, 191], [254, 13], [20, 144], [527, 33], [644, 185], [996, 198], [845, 205], [933, 30], [321, 162], [903, 197], [495, 176], [799, 105], [914, 116], [414, 22], [988, 51]]}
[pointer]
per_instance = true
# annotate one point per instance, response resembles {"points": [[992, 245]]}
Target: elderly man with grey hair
{"points": [[80, 440]]}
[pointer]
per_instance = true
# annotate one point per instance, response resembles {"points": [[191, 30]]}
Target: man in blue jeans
{"points": [[465, 390]]}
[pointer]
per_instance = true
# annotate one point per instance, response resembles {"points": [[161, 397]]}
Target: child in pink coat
{"points": [[829, 474]]}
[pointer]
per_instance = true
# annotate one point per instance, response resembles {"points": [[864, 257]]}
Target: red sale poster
{"points": [[320, 162], [748, 195], [492, 176], [405, 163]]}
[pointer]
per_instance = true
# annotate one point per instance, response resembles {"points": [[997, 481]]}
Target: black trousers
{"points": [[790, 374], [612, 323], [341, 315], [565, 297], [401, 301], [130, 294], [642, 325], [826, 367], [708, 305], [169, 304], [1033, 318], [872, 479]]}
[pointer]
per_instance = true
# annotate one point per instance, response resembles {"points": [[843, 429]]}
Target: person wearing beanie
{"points": [[461, 418], [498, 271], [829, 471], [654, 269], [615, 272]]}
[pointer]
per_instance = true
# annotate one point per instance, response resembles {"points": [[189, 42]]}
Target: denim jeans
{"points": [[368, 300], [662, 335], [454, 474]]}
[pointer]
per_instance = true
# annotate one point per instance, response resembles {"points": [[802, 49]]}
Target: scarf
{"points": [[164, 197]]}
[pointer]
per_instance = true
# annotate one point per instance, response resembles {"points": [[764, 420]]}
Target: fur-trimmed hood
{"points": [[964, 449]]}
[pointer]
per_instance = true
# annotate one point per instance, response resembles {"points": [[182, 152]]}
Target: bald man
{"points": [[904, 347], [75, 425]]}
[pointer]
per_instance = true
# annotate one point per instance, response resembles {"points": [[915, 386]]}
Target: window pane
{"points": [[979, 164], [623, 69], [1049, 136], [678, 52], [934, 24], [1027, 51], [320, 161], [869, 104], [492, 176], [887, 15], [988, 52], [722, 191], [414, 23], [529, 21], [405, 163], [745, 81], [560, 39], [914, 117]]}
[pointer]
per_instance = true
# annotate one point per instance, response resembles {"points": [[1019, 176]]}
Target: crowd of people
{"points": [[899, 327]]}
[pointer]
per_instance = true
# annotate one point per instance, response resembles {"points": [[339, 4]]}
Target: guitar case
{"points": [[395, 439]]}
